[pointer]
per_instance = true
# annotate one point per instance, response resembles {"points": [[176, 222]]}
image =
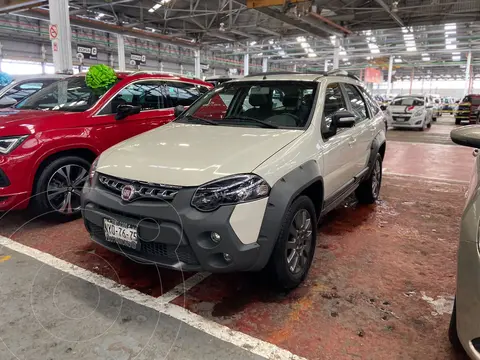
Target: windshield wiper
{"points": [[260, 122], [205, 121]]}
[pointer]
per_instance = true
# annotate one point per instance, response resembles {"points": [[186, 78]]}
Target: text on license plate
{"points": [[120, 233]]}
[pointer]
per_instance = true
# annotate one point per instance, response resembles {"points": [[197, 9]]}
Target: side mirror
{"points": [[7, 101], [179, 109], [466, 136], [126, 110], [383, 107], [341, 119]]}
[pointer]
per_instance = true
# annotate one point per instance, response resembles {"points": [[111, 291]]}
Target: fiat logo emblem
{"points": [[128, 192]]}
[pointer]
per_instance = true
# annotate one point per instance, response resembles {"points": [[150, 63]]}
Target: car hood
{"points": [[191, 155], [15, 121]]}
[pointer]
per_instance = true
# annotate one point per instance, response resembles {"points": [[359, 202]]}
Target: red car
{"points": [[49, 140]]}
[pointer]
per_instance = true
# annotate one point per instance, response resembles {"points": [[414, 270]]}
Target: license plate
{"points": [[398, 118], [120, 233]]}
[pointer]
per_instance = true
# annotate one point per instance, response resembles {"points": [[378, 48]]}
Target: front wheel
{"points": [[59, 186], [295, 247], [369, 189]]}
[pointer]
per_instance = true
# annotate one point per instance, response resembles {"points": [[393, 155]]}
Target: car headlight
{"points": [[230, 190], [9, 143], [418, 113]]}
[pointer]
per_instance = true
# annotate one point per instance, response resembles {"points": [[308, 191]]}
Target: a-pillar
{"points": [[390, 73], [246, 64], [336, 54], [61, 35], [198, 69], [121, 52], [467, 72], [265, 65]]}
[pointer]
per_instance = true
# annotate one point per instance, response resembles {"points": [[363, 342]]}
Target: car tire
{"points": [[457, 121], [429, 125], [369, 189], [58, 188], [434, 119], [452, 330], [298, 232]]}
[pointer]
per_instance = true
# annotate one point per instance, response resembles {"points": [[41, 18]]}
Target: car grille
{"points": [[142, 189], [157, 250]]}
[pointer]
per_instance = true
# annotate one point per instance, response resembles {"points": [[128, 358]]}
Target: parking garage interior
{"points": [[383, 278]]}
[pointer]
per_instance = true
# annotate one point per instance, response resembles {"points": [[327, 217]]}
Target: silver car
{"points": [[464, 330]]}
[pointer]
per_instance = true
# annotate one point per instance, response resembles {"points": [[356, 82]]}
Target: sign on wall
{"points": [[53, 31], [87, 52], [138, 59], [204, 67], [373, 75]]}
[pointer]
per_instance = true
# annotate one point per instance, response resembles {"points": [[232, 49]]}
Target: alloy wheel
{"points": [[64, 188], [376, 179], [299, 244]]}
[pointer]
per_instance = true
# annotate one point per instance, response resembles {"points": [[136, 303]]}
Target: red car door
{"points": [[155, 109]]}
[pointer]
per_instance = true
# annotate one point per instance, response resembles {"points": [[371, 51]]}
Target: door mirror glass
{"points": [[126, 110], [179, 109]]}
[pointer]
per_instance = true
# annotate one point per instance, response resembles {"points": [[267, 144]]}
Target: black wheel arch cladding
{"points": [[282, 195], [375, 149]]}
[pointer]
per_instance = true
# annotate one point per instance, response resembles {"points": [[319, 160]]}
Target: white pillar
{"points": [[467, 73], [111, 60], [181, 69], [44, 58], [390, 73], [161, 66], [294, 67], [121, 52], [246, 64], [264, 64], [214, 72], [325, 68], [61, 36], [198, 70], [336, 54]]}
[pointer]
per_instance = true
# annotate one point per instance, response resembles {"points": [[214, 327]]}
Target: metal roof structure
{"points": [[429, 35]]}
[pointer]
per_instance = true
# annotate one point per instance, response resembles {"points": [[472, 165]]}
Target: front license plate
{"points": [[397, 118], [120, 233]]}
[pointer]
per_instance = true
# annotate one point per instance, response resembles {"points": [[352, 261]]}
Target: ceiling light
{"points": [[425, 54], [455, 53], [345, 59], [369, 58], [456, 58], [450, 32], [452, 26], [99, 16], [411, 48], [342, 53], [312, 55], [305, 45], [301, 39], [253, 43], [375, 51], [398, 60], [271, 41], [451, 47], [426, 58]]}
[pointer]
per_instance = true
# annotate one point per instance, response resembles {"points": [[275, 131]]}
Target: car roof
{"points": [[295, 76]]}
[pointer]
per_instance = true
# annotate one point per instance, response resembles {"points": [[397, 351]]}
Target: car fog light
{"points": [[227, 257], [215, 237], [418, 122]]}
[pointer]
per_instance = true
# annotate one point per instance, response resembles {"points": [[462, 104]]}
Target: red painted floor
{"points": [[363, 296]]}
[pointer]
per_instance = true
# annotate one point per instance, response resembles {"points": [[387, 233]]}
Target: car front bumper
{"points": [[174, 234], [414, 122], [15, 186], [468, 284]]}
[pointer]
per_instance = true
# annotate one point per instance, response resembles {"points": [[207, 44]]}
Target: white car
{"points": [[240, 186], [411, 111], [24, 86]]}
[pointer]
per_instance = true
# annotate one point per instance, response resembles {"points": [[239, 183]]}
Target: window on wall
{"points": [[150, 95], [359, 108]]}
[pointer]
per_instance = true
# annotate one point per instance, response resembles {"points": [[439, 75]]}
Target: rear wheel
{"points": [[295, 247], [452, 330], [59, 186], [369, 189]]}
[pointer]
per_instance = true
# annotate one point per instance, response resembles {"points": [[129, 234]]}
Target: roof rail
{"points": [[338, 72], [162, 73], [273, 73]]}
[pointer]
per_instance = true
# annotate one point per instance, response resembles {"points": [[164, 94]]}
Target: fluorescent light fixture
{"points": [[99, 16], [369, 58], [332, 39], [310, 50], [342, 53], [453, 32], [425, 54], [345, 59], [411, 48], [455, 53], [271, 41], [397, 60], [301, 39], [426, 58], [253, 43], [408, 37], [375, 51], [451, 47], [312, 55], [305, 45], [456, 58], [281, 53], [452, 26]]}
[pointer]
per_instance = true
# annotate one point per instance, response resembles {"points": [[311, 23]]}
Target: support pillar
{"points": [[61, 36], [390, 73], [181, 69], [411, 81], [325, 68], [44, 59], [467, 73], [121, 52], [111, 60], [246, 64], [336, 54], [198, 70], [294, 67], [265, 65]]}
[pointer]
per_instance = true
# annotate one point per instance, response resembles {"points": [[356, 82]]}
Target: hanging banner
{"points": [[87, 52], [138, 59], [373, 76]]}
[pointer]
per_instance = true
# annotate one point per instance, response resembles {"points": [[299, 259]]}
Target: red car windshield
{"points": [[71, 94], [270, 104]]}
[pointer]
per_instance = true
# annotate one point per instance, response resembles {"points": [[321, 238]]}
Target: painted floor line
{"points": [[420, 143], [438, 180], [182, 288], [247, 342]]}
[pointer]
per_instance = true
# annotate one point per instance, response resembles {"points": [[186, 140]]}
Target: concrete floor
{"points": [[381, 285]]}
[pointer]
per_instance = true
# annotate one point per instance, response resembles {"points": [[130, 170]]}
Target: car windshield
{"points": [[71, 94], [269, 104], [407, 101]]}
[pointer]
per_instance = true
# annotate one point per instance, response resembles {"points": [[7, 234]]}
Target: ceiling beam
{"points": [[392, 14], [7, 6]]}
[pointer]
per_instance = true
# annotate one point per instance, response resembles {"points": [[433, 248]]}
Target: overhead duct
{"points": [[41, 14]]}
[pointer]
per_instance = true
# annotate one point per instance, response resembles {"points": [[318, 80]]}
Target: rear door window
{"points": [[358, 105]]}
